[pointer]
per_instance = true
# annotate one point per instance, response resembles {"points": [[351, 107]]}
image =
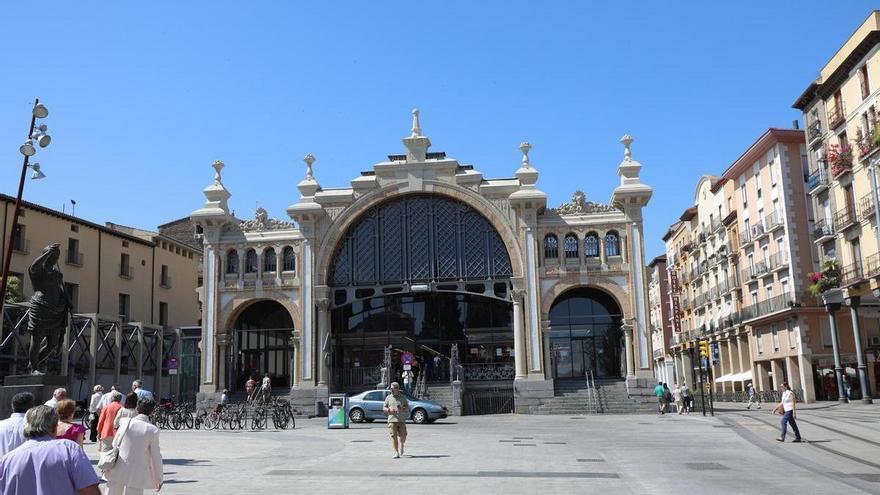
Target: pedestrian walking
{"points": [[58, 395], [12, 428], [129, 410], [249, 386], [67, 430], [139, 464], [107, 398], [408, 381], [661, 398], [686, 398], [667, 397], [142, 393], [788, 408], [676, 396], [753, 397], [438, 367], [43, 465], [266, 389], [94, 410], [397, 408], [105, 422]]}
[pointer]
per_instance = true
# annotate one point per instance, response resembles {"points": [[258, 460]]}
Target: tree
{"points": [[13, 291]]}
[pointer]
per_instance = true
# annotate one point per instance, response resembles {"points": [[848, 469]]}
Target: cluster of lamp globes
{"points": [[40, 136]]}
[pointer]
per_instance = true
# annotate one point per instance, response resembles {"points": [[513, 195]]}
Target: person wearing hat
{"points": [[95, 411]]}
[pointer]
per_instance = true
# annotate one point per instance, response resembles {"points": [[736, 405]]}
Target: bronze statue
{"points": [[50, 307]]}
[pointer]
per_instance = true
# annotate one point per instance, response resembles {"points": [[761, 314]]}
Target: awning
{"points": [[735, 377]]}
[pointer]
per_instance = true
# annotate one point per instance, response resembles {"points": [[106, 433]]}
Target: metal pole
{"points": [[8, 255], [709, 380], [835, 349], [702, 388]]}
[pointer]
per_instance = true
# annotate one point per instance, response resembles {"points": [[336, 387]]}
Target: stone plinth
{"points": [[42, 386]]}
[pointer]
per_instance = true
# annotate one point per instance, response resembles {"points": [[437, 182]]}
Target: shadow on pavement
{"points": [[184, 462]]}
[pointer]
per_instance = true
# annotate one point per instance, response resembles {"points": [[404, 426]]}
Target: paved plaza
{"points": [[734, 452]]}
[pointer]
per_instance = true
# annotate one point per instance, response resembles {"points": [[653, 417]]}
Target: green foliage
{"points": [[828, 278], [13, 291]]}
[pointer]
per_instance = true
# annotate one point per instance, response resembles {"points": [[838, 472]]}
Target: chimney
{"points": [[794, 124]]}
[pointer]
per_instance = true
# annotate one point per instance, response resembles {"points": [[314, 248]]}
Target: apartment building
{"points": [[119, 272], [742, 255], [843, 138], [661, 325]]}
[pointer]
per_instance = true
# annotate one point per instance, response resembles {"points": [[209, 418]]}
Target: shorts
{"points": [[398, 429]]}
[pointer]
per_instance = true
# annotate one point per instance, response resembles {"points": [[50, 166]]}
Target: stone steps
{"points": [[572, 397]]}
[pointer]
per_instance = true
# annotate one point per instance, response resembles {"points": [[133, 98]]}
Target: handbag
{"points": [[108, 459]]}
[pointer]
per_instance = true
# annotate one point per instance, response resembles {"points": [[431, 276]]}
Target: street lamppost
{"points": [[35, 134]]}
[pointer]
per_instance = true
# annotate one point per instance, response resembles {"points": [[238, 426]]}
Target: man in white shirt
{"points": [[59, 395], [788, 408], [95, 411], [12, 429], [107, 398]]}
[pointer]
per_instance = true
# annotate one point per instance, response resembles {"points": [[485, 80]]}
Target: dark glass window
{"points": [[551, 247], [232, 261], [270, 261], [571, 246], [591, 246], [250, 261], [612, 244]]}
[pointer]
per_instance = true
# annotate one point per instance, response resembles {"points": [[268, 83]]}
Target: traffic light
{"points": [[704, 348]]}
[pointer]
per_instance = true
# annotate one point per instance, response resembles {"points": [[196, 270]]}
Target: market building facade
{"points": [[421, 264]]}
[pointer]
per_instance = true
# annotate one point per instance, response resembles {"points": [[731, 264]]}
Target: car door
{"points": [[373, 402]]}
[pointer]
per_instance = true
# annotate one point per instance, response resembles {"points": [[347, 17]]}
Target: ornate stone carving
{"points": [[579, 206], [334, 211], [262, 222]]}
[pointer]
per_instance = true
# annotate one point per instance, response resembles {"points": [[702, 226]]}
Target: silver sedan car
{"points": [[367, 406]]}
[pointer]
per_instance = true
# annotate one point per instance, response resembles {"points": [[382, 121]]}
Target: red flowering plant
{"points": [[840, 157], [828, 278]]}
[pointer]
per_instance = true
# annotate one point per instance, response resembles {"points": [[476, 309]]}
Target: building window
{"points": [[72, 291], [759, 342], [250, 261], [551, 247], [571, 246], [74, 257], [165, 278], [19, 243], [825, 332], [612, 244], [792, 335], [774, 336], [124, 243], [863, 81], [591, 246], [289, 259], [124, 265], [163, 314], [232, 261], [124, 307], [270, 261], [74, 228]]}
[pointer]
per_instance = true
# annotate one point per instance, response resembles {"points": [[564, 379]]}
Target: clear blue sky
{"points": [[144, 97]]}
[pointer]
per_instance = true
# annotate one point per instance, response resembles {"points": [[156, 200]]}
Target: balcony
{"points": [[745, 237], [845, 218], [759, 231], [823, 230], [836, 116], [866, 207], [762, 268], [715, 224], [851, 274], [872, 266], [731, 321], [778, 261], [814, 131], [817, 181], [74, 258], [768, 306], [774, 221], [867, 145]]}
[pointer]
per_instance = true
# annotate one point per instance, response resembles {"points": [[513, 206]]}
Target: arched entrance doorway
{"points": [[585, 335], [421, 274], [261, 344]]}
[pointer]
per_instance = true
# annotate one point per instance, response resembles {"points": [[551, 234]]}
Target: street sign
{"points": [[172, 371], [172, 364], [407, 358]]}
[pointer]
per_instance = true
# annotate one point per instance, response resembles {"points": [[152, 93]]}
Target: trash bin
{"points": [[337, 412]]}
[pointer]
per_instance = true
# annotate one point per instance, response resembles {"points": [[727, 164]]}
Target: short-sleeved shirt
{"points": [[391, 402], [143, 393], [267, 382], [44, 466], [659, 392], [11, 432], [787, 400]]}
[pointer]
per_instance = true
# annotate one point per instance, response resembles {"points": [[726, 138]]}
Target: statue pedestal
{"points": [[42, 386]]}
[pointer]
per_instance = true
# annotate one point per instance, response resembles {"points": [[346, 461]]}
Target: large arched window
{"points": [[289, 259], [551, 247], [571, 246], [612, 244], [232, 261], [591, 245], [270, 261], [420, 238], [585, 334], [250, 261]]}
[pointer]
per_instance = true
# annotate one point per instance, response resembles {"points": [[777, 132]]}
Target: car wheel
{"points": [[356, 415], [420, 416]]}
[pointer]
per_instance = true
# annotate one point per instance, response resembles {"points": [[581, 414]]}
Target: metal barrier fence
{"points": [[494, 400]]}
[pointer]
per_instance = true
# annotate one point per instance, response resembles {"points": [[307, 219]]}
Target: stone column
{"points": [[323, 306], [532, 288], [628, 342], [860, 356], [223, 265], [519, 337], [241, 267], [279, 264], [222, 344], [794, 372], [734, 364], [722, 371], [777, 373], [602, 250], [835, 348], [260, 254], [761, 380]]}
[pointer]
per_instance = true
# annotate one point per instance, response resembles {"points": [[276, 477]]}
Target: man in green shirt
{"points": [[661, 398], [397, 408]]}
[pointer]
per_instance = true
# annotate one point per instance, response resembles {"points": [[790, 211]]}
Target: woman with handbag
{"points": [[138, 461], [105, 421]]}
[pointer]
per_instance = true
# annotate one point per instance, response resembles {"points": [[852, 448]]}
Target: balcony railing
{"points": [[866, 145], [165, 283], [778, 260], [763, 308], [745, 237], [773, 220], [715, 223], [851, 274], [836, 115], [74, 258], [845, 217], [823, 228], [872, 266], [814, 131], [817, 179], [731, 320], [125, 270], [866, 207], [20, 245]]}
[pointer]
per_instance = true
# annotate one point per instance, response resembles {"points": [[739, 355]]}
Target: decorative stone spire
{"points": [[416, 128], [525, 147], [528, 195], [308, 186], [631, 191], [627, 141], [416, 144], [216, 196]]}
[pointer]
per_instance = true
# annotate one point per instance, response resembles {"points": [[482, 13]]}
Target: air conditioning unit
{"points": [[874, 341]]}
